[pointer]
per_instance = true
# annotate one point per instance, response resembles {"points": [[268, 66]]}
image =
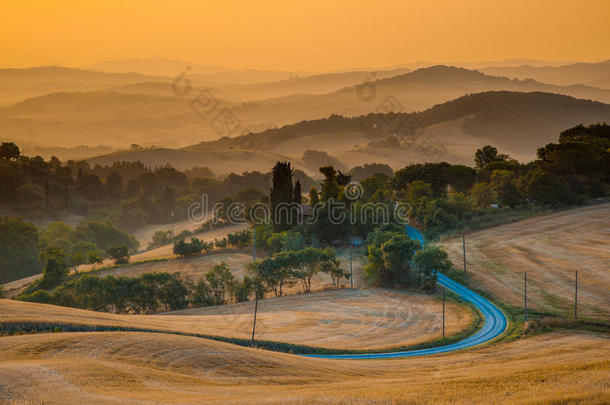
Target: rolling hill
{"points": [[591, 74], [518, 123], [549, 248], [128, 367], [19, 84], [75, 118]]}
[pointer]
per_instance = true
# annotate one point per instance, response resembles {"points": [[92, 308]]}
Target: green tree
{"points": [[79, 252], [396, 254], [333, 268], [427, 262], [55, 268], [297, 198], [105, 235], [505, 187], [18, 249], [9, 151], [547, 189], [389, 255], [120, 254], [241, 290], [219, 280], [488, 154], [330, 186], [95, 257], [281, 193], [114, 185], [309, 262], [173, 293], [482, 195], [314, 197], [202, 294], [161, 238]]}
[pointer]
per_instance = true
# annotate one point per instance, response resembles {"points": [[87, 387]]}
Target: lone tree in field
{"points": [[120, 254], [281, 193]]}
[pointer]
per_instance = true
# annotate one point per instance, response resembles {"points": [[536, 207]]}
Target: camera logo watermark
{"points": [[223, 121], [393, 125]]}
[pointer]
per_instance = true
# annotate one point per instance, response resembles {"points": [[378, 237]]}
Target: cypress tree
{"points": [[281, 192], [298, 198]]}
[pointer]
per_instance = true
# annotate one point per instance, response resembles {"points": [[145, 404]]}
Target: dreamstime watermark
{"points": [[392, 123], [336, 212], [223, 121]]}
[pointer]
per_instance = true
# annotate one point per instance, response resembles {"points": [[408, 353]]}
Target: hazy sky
{"points": [[301, 35]]}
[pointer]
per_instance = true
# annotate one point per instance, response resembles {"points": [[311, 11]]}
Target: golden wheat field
{"points": [[129, 367], [151, 368], [341, 319], [550, 249]]}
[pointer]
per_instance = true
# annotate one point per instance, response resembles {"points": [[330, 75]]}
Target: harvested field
{"points": [[154, 368], [341, 319], [162, 252], [550, 249]]}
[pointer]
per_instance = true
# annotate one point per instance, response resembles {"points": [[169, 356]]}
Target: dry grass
{"points": [[133, 367], [549, 249], [341, 319], [162, 252]]}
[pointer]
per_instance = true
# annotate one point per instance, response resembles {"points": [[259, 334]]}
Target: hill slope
{"points": [[18, 84], [340, 319], [517, 123], [592, 74], [173, 121], [111, 368], [549, 249]]}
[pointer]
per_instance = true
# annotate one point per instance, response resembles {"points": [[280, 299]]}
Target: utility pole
{"points": [[525, 297], [443, 313], [576, 297], [351, 270], [172, 214], [464, 251], [255, 286]]}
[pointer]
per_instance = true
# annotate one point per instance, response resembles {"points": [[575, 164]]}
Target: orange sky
{"points": [[301, 35]]}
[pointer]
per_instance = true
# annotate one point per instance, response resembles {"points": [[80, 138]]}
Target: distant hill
{"points": [[591, 74], [19, 84], [516, 122], [312, 84], [142, 113], [203, 74], [150, 66]]}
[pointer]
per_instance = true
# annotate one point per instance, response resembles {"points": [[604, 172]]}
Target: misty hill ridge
{"points": [[592, 74], [493, 114], [162, 119], [66, 74], [518, 123], [442, 75]]}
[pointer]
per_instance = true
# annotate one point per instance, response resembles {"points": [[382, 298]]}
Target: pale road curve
{"points": [[495, 322]]}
